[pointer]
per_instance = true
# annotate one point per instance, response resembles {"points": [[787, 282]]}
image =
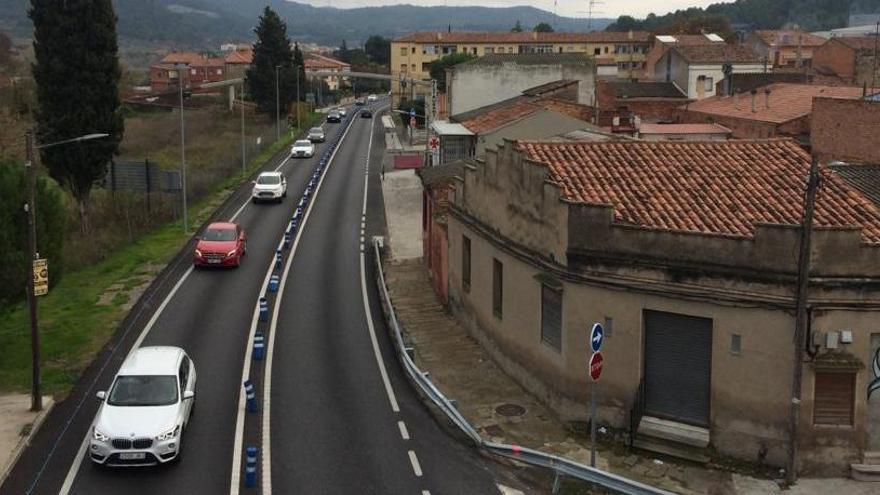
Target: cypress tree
{"points": [[77, 75], [271, 49]]}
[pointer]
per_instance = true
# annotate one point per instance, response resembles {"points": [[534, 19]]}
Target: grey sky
{"points": [[571, 8]]}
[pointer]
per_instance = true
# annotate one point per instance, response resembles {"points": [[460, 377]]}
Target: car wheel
{"points": [[254, 200]]}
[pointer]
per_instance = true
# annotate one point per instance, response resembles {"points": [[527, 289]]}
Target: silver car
{"points": [[316, 135], [144, 414]]}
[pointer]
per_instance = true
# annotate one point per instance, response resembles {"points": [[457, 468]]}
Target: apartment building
{"points": [[411, 55]]}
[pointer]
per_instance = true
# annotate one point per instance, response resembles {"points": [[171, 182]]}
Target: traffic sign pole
{"points": [[593, 423], [597, 336]]}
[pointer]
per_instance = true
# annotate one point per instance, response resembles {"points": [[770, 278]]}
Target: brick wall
{"points": [[846, 130], [836, 57], [741, 128], [863, 68]]}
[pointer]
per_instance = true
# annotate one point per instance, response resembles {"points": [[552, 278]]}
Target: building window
{"points": [[551, 316], [219, 72], [426, 66], [403, 51], [833, 398], [465, 264], [413, 50], [709, 84], [403, 68], [192, 71], [488, 50], [413, 67], [509, 49], [736, 344], [597, 51], [606, 49], [474, 50], [497, 288]]}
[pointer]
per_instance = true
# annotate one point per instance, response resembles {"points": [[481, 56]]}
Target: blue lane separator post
{"points": [[287, 240], [250, 467], [251, 396], [273, 283], [264, 309], [259, 346], [278, 260]]}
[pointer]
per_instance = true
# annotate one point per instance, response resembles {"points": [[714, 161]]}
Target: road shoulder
{"points": [[18, 428]]}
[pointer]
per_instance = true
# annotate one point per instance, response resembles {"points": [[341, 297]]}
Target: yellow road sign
{"points": [[41, 277]]}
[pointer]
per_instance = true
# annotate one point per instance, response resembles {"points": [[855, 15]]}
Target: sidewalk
{"points": [[18, 426], [499, 408]]}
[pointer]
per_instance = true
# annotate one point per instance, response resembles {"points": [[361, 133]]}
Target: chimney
{"points": [[767, 98], [754, 97]]}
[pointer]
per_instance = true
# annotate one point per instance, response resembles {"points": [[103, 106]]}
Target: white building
{"points": [[696, 69]]}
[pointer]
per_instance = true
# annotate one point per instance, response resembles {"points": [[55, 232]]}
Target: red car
{"points": [[222, 244]]}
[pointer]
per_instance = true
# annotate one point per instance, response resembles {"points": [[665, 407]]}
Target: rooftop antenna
{"points": [[591, 9]]}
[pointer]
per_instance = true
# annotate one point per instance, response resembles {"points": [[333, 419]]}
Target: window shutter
{"points": [[833, 398], [551, 316]]}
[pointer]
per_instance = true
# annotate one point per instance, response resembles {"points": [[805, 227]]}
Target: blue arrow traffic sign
{"points": [[597, 335]]}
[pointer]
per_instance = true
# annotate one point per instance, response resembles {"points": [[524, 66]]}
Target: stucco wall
{"points": [[475, 86]]}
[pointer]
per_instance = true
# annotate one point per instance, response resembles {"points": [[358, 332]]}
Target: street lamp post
{"points": [[297, 98], [277, 105], [182, 150], [30, 207], [243, 161]]}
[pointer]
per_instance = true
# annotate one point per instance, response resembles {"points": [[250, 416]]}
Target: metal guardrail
{"points": [[560, 465]]}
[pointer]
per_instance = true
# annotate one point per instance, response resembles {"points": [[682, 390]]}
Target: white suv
{"points": [[302, 149], [143, 416], [269, 186]]}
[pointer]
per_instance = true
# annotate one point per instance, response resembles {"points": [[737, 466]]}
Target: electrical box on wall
{"points": [[831, 340]]}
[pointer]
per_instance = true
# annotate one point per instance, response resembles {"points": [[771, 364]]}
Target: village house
{"points": [[781, 109], [684, 252], [411, 55], [785, 48], [318, 63], [497, 77], [648, 101], [853, 59], [696, 69], [663, 43], [197, 69]]}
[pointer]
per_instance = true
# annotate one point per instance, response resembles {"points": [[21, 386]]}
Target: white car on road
{"points": [[372, 98], [302, 148], [142, 418], [269, 186], [342, 111]]}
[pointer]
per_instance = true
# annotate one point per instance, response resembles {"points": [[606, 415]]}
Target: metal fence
{"points": [[560, 465]]}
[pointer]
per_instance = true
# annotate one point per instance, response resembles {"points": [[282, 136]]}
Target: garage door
{"points": [[678, 364]]}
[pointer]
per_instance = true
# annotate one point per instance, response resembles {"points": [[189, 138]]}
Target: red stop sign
{"points": [[596, 366]]}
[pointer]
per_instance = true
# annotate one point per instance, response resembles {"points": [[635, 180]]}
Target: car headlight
{"points": [[97, 435], [198, 253], [169, 434], [231, 253]]}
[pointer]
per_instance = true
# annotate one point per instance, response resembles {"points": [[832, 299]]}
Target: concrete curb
{"points": [[23, 442]]}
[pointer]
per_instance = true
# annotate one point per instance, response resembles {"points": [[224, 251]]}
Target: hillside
{"points": [[206, 23], [813, 15]]}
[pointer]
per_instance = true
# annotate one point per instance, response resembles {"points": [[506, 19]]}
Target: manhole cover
{"points": [[510, 410]]}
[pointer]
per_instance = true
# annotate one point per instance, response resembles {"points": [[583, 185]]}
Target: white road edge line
{"points": [[403, 433], [369, 314], [415, 463], [266, 439], [81, 453]]}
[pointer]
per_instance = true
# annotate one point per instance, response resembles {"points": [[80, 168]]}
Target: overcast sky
{"points": [[570, 8]]}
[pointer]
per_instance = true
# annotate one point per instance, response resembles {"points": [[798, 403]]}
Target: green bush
{"points": [[51, 218]]}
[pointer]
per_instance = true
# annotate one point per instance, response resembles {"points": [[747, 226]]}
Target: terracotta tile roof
{"points": [[549, 87], [524, 37], [245, 57], [683, 129], [789, 38], [860, 43], [864, 177], [318, 60], [788, 101], [688, 40], [720, 187], [493, 116], [718, 53]]}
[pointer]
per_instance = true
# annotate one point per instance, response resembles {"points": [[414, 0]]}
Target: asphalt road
{"points": [[333, 427]]}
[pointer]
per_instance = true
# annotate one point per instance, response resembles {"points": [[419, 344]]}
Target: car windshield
{"points": [[303, 143], [219, 235], [269, 179], [147, 390], [316, 130]]}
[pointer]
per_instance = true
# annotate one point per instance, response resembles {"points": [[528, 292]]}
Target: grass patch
{"points": [[73, 325]]}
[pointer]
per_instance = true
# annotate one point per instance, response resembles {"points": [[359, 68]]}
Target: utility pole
{"points": [[30, 211], [182, 151], [243, 144], [277, 105], [803, 284]]}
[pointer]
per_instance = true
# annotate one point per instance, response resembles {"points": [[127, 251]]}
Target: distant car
{"points": [[372, 98], [334, 117], [316, 135], [221, 244], [342, 112], [302, 148], [366, 114], [269, 186], [359, 102], [148, 407]]}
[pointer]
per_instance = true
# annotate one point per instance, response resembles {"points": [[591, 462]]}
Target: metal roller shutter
{"points": [[678, 365], [833, 398]]}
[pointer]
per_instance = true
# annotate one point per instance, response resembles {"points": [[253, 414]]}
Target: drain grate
{"points": [[510, 410]]}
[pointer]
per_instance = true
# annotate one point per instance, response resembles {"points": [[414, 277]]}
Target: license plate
{"points": [[132, 456], [213, 261]]}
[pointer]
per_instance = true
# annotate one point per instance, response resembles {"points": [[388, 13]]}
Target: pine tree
{"points": [[77, 75], [271, 50]]}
